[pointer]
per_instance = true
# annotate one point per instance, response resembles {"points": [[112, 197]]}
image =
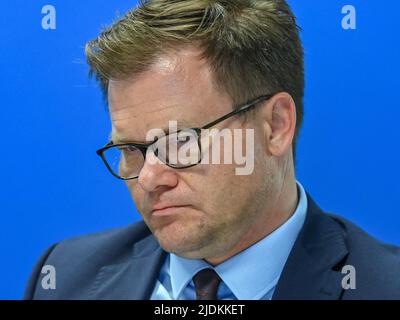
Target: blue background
{"points": [[53, 185]]}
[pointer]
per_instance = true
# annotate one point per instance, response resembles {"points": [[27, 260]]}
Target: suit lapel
{"points": [[135, 277], [313, 269]]}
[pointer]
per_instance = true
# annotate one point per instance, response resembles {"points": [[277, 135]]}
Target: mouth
{"points": [[168, 210]]}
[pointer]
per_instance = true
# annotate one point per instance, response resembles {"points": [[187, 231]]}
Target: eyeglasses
{"points": [[126, 160]]}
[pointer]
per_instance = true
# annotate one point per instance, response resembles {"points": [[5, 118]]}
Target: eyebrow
{"points": [[117, 139]]}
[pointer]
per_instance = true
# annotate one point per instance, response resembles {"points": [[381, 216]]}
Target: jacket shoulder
{"points": [[357, 238], [376, 264], [77, 260], [107, 243]]}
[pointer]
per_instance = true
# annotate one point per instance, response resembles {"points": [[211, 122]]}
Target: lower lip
{"points": [[168, 211]]}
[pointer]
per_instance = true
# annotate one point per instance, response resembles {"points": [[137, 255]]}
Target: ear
{"points": [[279, 117]]}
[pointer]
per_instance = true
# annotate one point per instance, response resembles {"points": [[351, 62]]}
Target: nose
{"points": [[155, 174]]}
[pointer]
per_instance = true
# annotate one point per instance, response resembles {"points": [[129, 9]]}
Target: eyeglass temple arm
{"points": [[238, 110]]}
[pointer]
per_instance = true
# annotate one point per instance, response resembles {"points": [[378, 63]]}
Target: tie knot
{"points": [[206, 283]]}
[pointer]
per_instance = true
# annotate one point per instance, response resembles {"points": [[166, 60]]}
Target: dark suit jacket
{"points": [[124, 264]]}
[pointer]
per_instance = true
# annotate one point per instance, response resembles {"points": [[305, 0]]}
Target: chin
{"points": [[181, 243]]}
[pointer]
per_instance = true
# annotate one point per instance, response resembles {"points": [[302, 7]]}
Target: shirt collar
{"points": [[256, 270]]}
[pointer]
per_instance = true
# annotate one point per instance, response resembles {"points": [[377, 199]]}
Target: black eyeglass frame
{"points": [[144, 146]]}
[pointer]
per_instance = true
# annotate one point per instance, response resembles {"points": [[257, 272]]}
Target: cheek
{"points": [[136, 192], [220, 189]]}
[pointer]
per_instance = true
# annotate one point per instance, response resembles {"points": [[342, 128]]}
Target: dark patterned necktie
{"points": [[206, 283]]}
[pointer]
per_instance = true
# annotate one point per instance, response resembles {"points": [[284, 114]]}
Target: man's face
{"points": [[211, 208]]}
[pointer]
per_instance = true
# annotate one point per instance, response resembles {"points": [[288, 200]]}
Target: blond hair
{"points": [[252, 46]]}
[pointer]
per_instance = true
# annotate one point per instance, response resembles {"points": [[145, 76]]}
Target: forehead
{"points": [[178, 87]]}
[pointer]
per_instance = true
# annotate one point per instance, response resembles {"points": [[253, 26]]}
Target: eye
{"points": [[186, 138], [131, 148], [127, 149], [183, 139]]}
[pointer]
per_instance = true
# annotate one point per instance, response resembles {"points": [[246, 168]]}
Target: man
{"points": [[207, 231]]}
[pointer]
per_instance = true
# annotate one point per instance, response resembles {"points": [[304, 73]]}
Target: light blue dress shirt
{"points": [[250, 275]]}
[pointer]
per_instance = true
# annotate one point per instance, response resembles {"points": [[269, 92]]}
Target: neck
{"points": [[285, 206]]}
